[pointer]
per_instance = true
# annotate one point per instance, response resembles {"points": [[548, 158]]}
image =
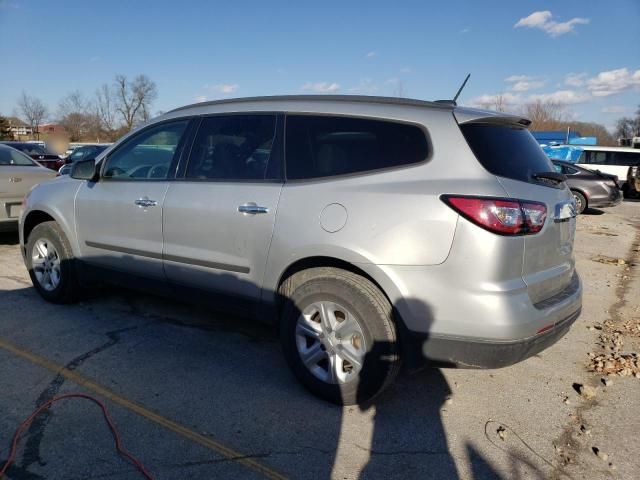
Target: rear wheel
{"points": [[49, 260], [338, 336], [581, 201]]}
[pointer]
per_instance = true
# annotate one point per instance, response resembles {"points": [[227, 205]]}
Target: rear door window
{"points": [[506, 151], [325, 146]]}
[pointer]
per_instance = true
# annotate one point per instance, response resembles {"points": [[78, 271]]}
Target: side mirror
{"points": [[84, 169]]}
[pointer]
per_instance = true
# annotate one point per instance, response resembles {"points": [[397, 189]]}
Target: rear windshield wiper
{"points": [[553, 176]]}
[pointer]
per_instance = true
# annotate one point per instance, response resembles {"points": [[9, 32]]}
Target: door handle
{"points": [[145, 202], [251, 208]]}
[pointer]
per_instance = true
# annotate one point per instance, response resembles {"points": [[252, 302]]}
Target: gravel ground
{"points": [[198, 395]]}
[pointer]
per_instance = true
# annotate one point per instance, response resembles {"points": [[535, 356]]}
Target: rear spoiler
{"points": [[472, 115]]}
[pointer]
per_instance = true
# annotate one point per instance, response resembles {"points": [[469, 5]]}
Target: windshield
{"points": [[77, 154], [10, 156], [31, 148]]}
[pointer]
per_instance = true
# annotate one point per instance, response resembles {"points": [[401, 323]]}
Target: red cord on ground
{"points": [[114, 431]]}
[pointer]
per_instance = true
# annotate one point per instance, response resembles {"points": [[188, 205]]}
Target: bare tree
{"points": [[500, 103], [133, 99], [625, 127], [33, 110], [106, 111], [497, 102], [545, 115], [77, 115]]}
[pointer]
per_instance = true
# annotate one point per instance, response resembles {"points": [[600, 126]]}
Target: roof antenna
{"points": [[453, 102], [461, 87]]}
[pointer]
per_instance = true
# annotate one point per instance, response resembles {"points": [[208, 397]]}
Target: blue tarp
{"points": [[559, 137], [568, 153]]}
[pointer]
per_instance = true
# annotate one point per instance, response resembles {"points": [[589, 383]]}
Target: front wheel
{"points": [[49, 260], [338, 336]]}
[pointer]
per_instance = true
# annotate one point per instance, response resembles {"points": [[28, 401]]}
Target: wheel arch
{"points": [[374, 273], [38, 215]]}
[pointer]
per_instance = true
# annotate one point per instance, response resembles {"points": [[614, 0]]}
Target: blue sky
{"points": [[582, 52]]}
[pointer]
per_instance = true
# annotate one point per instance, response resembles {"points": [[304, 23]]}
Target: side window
{"points": [[326, 146], [599, 158], [569, 170], [625, 158], [584, 157], [148, 155], [232, 147], [558, 168]]}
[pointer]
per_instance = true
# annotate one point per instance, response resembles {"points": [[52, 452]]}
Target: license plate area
{"points": [[13, 210]]}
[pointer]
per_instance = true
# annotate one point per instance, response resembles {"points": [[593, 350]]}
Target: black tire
{"points": [[373, 313], [581, 201], [67, 290]]}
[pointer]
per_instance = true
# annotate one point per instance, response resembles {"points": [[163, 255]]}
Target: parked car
{"points": [[82, 152], [18, 173], [590, 188], [611, 160], [373, 231], [38, 153]]}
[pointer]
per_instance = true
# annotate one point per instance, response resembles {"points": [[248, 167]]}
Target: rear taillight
{"points": [[505, 216]]}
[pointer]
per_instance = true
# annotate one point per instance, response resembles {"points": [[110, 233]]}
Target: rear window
{"points": [[324, 146], [505, 151]]}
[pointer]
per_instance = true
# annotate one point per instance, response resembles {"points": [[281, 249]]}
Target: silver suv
{"points": [[372, 231]]}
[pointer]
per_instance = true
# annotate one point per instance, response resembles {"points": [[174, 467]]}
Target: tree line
{"points": [[550, 115], [113, 110]]}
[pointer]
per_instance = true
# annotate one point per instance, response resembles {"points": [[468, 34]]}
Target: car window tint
{"points": [[506, 151], [30, 148], [570, 171], [233, 147], [325, 146], [558, 168], [9, 156], [77, 154], [148, 155], [625, 158], [599, 158]]}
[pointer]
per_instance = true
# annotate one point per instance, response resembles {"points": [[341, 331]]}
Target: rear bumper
{"points": [[463, 353], [614, 198]]}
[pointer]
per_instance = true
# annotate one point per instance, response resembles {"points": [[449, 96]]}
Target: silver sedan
{"points": [[18, 173]]}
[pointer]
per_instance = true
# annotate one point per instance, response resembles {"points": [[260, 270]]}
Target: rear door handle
{"points": [[145, 202], [251, 208]]}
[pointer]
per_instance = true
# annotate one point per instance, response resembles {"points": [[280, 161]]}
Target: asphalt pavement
{"points": [[196, 394]]}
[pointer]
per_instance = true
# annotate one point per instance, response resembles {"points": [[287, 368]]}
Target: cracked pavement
{"points": [[225, 379]]}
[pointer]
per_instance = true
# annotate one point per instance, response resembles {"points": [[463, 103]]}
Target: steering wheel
{"points": [[158, 171]]}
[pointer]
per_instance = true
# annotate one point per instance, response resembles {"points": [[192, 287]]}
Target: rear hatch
{"points": [[505, 148]]}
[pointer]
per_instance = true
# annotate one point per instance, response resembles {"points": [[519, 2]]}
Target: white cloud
{"points": [[517, 78], [522, 83], [224, 88], [613, 81], [560, 96], [489, 100], [321, 87], [371, 54], [465, 30], [524, 86], [201, 98], [615, 109], [509, 99], [542, 20], [406, 70], [366, 86], [575, 79]]}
